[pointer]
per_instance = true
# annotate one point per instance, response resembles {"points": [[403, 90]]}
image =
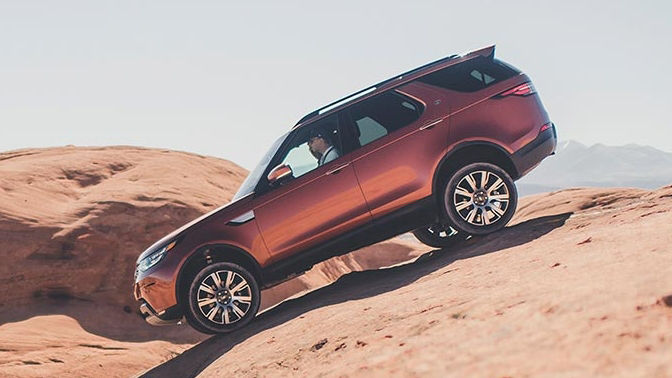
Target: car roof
{"points": [[395, 81]]}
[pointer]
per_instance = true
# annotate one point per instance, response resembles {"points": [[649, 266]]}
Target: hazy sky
{"points": [[226, 78]]}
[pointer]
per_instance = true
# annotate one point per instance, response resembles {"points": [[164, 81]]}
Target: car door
{"points": [[399, 139], [319, 202]]}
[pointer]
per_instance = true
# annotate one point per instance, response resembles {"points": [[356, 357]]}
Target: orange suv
{"points": [[435, 151]]}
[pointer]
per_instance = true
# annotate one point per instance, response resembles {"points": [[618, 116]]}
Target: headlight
{"points": [[155, 257]]}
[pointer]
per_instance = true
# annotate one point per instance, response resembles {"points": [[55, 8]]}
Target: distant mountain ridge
{"points": [[576, 165]]}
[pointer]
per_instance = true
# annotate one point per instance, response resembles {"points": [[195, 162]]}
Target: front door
{"points": [[322, 199]]}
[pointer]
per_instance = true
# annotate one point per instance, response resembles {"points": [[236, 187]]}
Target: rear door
{"points": [[398, 139]]}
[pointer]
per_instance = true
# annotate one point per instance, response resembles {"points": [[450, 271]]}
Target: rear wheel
{"points": [[439, 235], [222, 297], [480, 199]]}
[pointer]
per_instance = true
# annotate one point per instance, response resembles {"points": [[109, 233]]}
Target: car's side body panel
{"points": [[322, 203], [510, 122], [158, 286], [396, 170]]}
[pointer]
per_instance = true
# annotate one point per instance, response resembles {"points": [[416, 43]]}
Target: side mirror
{"points": [[279, 173]]}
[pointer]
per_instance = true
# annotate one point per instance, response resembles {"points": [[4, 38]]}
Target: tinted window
{"points": [[253, 178], [470, 76], [378, 116], [312, 146]]}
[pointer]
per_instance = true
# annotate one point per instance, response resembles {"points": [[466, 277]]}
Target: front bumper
{"points": [[167, 317], [156, 292], [530, 155]]}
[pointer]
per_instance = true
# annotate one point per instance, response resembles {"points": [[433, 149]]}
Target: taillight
{"points": [[520, 90], [545, 127]]}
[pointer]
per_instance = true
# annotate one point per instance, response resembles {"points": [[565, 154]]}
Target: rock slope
{"points": [[578, 285], [72, 222]]}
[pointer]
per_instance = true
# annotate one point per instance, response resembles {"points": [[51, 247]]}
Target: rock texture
{"points": [[578, 285], [73, 220]]}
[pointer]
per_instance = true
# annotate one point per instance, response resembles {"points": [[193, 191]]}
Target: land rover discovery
{"points": [[435, 150]]}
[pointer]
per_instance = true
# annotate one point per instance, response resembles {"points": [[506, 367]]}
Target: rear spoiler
{"points": [[488, 52]]}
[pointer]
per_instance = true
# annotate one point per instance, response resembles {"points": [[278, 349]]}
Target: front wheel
{"points": [[439, 235], [222, 297], [480, 199]]}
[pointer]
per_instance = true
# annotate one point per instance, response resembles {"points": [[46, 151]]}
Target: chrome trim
{"points": [[345, 100], [431, 124], [243, 218], [338, 169], [153, 319]]}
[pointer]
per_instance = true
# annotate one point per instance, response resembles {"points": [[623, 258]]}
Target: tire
{"points": [[480, 199], [439, 236], [222, 298]]}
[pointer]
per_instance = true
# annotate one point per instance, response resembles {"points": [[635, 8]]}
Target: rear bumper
{"points": [[530, 155], [167, 317]]}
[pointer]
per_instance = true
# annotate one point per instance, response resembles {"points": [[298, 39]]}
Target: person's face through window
{"points": [[317, 146]]}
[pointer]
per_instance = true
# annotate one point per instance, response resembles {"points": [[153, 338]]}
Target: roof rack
{"points": [[368, 90]]}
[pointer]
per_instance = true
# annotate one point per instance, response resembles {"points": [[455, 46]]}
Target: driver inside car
{"points": [[321, 147]]}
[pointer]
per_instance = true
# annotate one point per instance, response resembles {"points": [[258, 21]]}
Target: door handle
{"points": [[431, 124], [337, 169]]}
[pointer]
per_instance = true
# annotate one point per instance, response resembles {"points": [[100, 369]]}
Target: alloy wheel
{"points": [[224, 297], [481, 198], [441, 231]]}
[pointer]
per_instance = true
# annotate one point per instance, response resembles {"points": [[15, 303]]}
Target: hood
{"points": [[177, 233]]}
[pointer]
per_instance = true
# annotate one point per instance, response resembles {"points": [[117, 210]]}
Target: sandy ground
{"points": [[69, 337], [580, 284], [58, 345], [72, 222]]}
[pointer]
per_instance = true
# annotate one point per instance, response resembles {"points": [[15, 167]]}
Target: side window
{"points": [[378, 116], [313, 146], [369, 130], [469, 76]]}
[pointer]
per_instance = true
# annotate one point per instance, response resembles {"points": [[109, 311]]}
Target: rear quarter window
{"points": [[382, 114], [470, 76]]}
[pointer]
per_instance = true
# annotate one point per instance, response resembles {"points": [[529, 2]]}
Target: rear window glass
{"points": [[382, 114], [470, 76]]}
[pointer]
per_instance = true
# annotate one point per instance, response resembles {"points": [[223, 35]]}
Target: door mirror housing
{"points": [[279, 174]]}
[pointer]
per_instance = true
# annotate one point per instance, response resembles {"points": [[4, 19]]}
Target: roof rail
{"points": [[488, 52], [368, 90]]}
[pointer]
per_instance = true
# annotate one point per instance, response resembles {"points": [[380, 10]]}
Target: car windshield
{"points": [[252, 179]]}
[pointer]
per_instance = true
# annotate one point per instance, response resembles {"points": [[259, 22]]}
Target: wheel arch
{"points": [[213, 253], [472, 152]]}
